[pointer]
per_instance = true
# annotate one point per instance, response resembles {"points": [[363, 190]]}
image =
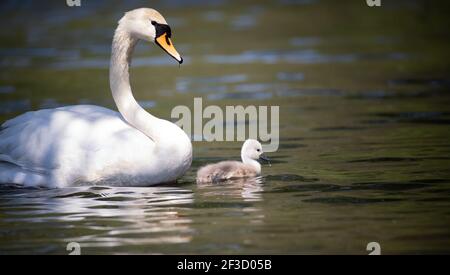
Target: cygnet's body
{"points": [[249, 167]]}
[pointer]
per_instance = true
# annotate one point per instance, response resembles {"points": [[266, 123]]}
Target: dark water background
{"points": [[364, 122]]}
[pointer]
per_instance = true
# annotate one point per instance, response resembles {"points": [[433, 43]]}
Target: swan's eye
{"points": [[153, 23], [258, 150], [163, 29]]}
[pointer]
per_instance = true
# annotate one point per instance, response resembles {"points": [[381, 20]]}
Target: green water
{"points": [[364, 126]]}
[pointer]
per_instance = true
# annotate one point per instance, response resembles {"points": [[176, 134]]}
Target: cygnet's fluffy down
{"points": [[249, 167]]}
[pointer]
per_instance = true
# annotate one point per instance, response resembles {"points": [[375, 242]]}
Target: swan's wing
{"points": [[83, 143], [19, 136], [37, 140]]}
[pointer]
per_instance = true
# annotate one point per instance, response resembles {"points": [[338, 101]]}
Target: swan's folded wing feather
{"points": [[83, 141], [20, 141], [39, 140]]}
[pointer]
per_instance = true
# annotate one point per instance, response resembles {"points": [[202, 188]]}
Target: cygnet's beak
{"points": [[264, 158]]}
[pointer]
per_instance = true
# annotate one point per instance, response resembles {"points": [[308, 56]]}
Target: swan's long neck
{"points": [[119, 79], [255, 164]]}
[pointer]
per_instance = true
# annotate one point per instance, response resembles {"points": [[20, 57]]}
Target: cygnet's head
{"points": [[252, 150], [150, 25]]}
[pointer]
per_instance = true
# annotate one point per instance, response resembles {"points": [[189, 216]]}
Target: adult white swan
{"points": [[91, 144]]}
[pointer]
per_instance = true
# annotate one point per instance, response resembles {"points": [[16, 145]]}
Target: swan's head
{"points": [[150, 25], [252, 149]]}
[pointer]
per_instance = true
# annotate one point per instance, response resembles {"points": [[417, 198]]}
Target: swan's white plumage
{"points": [[91, 144], [84, 143]]}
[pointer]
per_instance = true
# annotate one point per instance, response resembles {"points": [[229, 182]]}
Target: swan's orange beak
{"points": [[166, 44]]}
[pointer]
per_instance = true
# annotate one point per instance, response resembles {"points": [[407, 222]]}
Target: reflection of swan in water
{"points": [[110, 216], [248, 189], [251, 189], [86, 143]]}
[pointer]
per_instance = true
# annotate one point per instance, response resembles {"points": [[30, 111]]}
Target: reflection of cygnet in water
{"points": [[249, 167]]}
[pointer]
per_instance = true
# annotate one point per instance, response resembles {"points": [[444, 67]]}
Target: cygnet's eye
{"points": [[259, 150]]}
